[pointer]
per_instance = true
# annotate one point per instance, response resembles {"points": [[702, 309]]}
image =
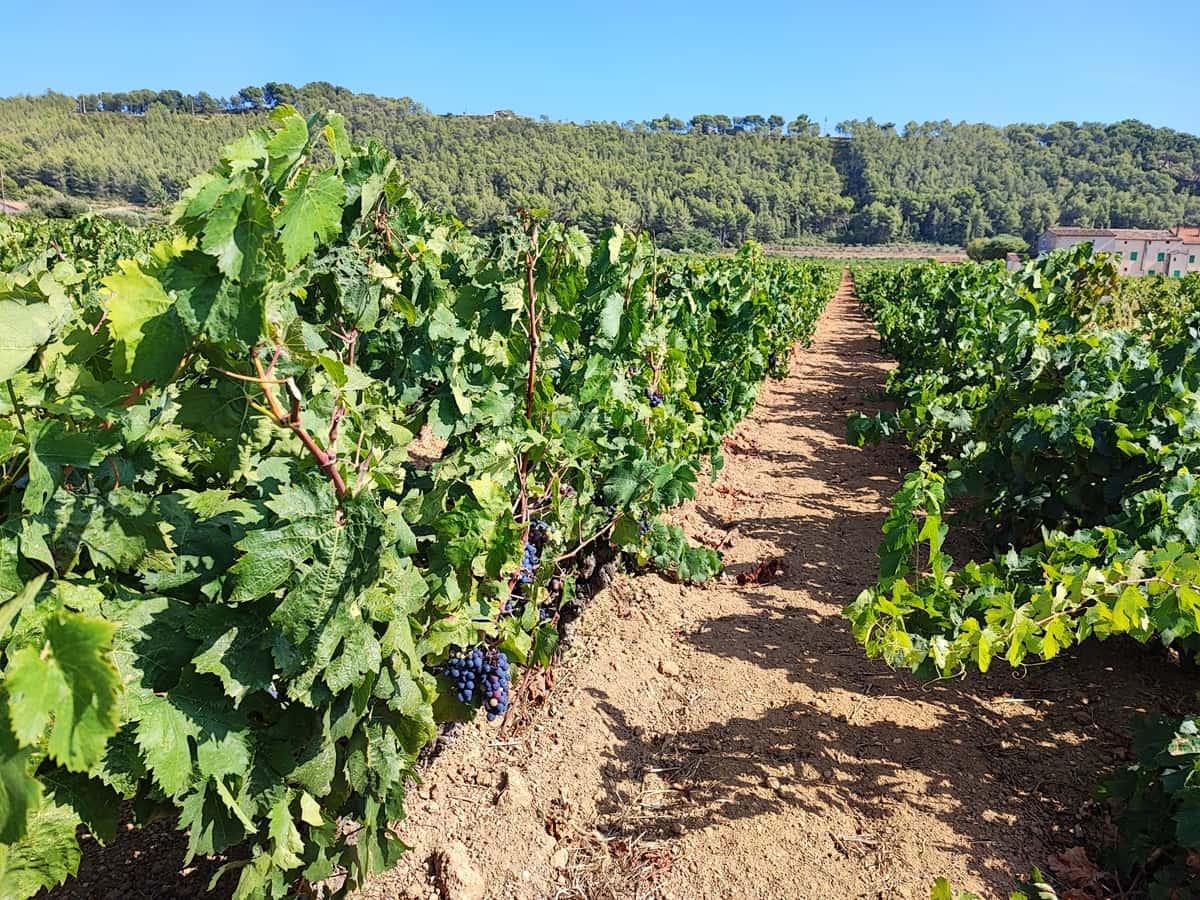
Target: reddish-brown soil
{"points": [[731, 740]]}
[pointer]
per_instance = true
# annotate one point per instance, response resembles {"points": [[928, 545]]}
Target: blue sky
{"points": [[618, 60]]}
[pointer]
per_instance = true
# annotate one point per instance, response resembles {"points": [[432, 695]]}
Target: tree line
{"points": [[707, 181]]}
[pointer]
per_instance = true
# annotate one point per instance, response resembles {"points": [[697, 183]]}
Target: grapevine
{"points": [[1071, 446], [226, 588]]}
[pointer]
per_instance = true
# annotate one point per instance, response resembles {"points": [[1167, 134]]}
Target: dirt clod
{"points": [[514, 791], [457, 877]]}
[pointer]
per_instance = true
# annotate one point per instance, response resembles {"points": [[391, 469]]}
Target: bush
{"points": [[997, 247], [58, 207]]}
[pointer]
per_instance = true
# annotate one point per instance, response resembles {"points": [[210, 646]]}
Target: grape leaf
{"points": [[44, 857], [162, 735], [24, 327], [138, 309], [311, 211], [69, 685], [20, 792]]}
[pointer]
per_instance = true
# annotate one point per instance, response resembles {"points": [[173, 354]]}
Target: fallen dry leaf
{"points": [[1074, 868]]}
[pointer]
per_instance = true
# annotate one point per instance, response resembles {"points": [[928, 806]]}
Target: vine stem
{"points": [[12, 395], [599, 534], [290, 419]]}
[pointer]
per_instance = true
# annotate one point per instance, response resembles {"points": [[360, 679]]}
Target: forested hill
{"points": [[712, 179]]}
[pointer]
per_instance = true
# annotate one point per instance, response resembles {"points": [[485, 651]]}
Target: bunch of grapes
{"points": [[655, 397], [566, 490], [529, 564], [496, 679], [465, 669], [644, 526], [481, 677], [719, 398], [539, 531], [772, 360], [598, 500]]}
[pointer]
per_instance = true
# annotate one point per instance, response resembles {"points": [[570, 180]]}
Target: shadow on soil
{"points": [[143, 864], [986, 762], [1009, 783]]}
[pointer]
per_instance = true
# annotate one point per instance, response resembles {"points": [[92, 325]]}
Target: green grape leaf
{"points": [[162, 734], [20, 792], [69, 686], [141, 315], [311, 212], [44, 857], [94, 804], [288, 843], [51, 448], [288, 143], [24, 328]]}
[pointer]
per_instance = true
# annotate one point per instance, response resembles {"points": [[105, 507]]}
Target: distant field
{"points": [[943, 252]]}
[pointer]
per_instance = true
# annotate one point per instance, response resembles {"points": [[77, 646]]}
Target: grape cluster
{"points": [[772, 360], [644, 526], [539, 531], [719, 398], [496, 679], [465, 669], [529, 564], [655, 397], [566, 490], [481, 677], [598, 500]]}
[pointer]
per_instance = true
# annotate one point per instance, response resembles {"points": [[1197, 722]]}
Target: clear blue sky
{"points": [[623, 59]]}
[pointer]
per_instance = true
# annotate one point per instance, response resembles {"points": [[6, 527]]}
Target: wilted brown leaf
{"points": [[1074, 868]]}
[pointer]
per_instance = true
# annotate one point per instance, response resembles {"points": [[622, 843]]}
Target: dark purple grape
{"points": [[480, 679], [529, 563]]}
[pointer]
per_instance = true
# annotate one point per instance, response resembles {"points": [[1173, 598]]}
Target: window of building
{"points": [[1175, 274], [1191, 259], [1133, 255], [1161, 257]]}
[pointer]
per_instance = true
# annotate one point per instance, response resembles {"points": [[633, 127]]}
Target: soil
{"points": [[731, 740]]}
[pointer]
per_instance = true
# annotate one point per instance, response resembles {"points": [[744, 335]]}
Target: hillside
{"points": [[713, 180]]}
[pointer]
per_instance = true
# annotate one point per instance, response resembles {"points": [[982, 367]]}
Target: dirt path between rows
{"points": [[732, 740]]}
